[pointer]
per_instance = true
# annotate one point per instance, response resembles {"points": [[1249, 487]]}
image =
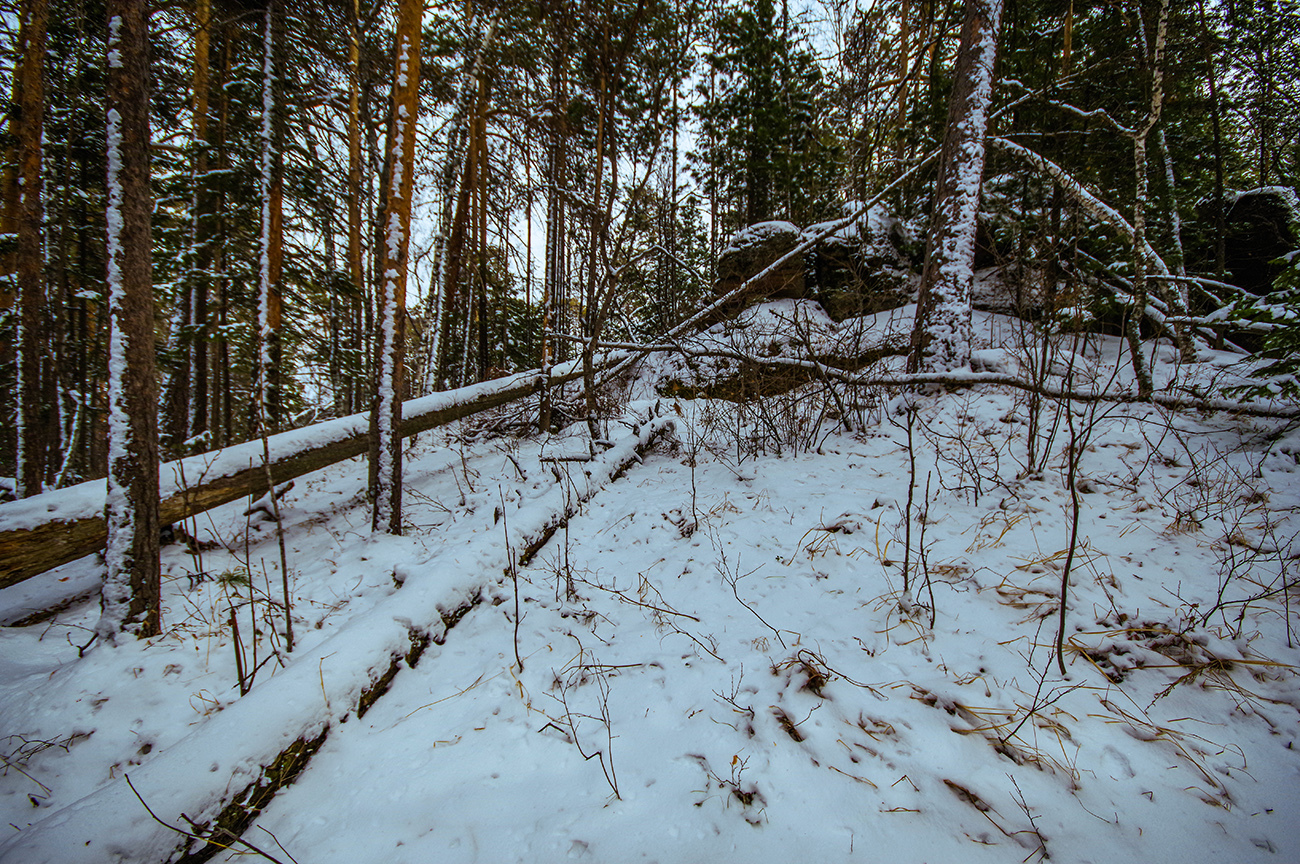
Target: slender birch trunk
{"points": [[1175, 295], [271, 192]]}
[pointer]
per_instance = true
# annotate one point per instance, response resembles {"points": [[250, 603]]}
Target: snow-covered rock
{"points": [[1261, 225], [752, 250], [861, 267]]}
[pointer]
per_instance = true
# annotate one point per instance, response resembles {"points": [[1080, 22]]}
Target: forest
{"points": [[446, 265], [332, 197]]}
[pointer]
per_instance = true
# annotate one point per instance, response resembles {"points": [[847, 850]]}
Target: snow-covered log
{"points": [[42, 532], [236, 760]]}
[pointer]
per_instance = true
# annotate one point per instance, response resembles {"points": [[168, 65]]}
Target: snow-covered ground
{"points": [[719, 659]]}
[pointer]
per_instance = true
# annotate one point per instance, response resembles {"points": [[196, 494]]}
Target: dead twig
{"points": [[233, 838]]}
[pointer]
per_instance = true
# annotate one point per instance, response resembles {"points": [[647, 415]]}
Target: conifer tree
{"points": [[34, 368], [765, 150], [132, 582], [942, 332], [386, 417]]}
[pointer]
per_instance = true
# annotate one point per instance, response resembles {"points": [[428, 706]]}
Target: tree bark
{"points": [[386, 449], [942, 333], [1212, 80], [269, 314], [132, 582], [355, 270], [34, 367], [204, 215]]}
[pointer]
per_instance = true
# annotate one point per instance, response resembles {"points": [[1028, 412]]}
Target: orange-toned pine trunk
{"points": [[386, 454]]}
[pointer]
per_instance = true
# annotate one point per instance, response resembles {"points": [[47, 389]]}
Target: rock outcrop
{"points": [[1261, 226], [861, 268], [857, 270], [751, 250]]}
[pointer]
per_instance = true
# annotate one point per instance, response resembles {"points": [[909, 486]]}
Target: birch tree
{"points": [[942, 331], [130, 600], [386, 416]]}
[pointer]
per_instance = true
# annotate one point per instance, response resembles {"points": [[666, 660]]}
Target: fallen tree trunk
{"points": [[797, 371], [221, 775], [54, 528]]}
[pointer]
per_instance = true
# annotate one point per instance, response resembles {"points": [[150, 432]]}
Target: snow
{"points": [[119, 516], [700, 614], [759, 232], [870, 226], [114, 42], [1287, 193]]}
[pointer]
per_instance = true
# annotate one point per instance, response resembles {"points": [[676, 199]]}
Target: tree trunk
{"points": [[34, 367], [355, 269], [132, 582], [484, 359], [270, 392], [941, 335], [1212, 79], [220, 407], [386, 450], [185, 391]]}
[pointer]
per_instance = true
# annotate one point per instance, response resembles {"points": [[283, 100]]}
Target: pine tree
{"points": [[132, 583], [765, 152], [386, 417], [35, 372], [941, 335]]}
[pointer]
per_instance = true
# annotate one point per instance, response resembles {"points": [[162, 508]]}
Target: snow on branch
{"points": [[1098, 209]]}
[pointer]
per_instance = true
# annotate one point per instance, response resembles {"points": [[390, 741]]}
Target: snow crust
{"points": [[317, 690], [872, 228]]}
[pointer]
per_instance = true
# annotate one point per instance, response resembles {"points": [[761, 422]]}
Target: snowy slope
{"points": [[719, 661]]}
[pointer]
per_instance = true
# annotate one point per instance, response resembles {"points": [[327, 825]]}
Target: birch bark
{"points": [[271, 192]]}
